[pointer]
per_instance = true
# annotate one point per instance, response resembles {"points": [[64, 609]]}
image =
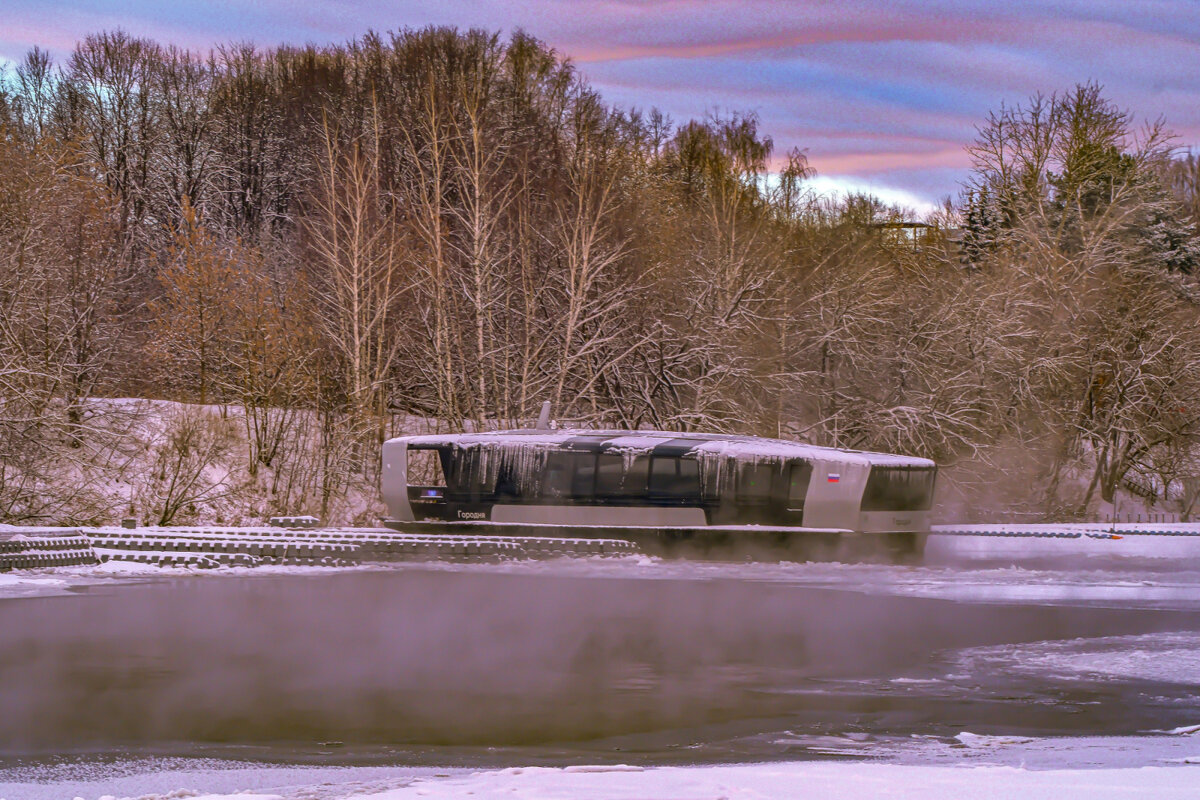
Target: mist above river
{"points": [[438, 659]]}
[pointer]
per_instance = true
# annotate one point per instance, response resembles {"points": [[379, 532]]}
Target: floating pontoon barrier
{"points": [[1072, 530], [331, 547], [35, 548]]}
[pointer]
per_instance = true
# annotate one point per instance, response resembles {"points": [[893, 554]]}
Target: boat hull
{"points": [[738, 542]]}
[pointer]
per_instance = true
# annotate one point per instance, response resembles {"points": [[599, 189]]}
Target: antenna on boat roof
{"points": [[543, 423]]}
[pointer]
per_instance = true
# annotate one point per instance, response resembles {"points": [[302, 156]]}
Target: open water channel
{"points": [[629, 661]]}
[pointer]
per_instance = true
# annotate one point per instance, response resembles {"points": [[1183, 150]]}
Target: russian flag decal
{"points": [[834, 477]]}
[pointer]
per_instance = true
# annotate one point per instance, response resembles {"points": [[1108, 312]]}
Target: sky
{"points": [[882, 95]]}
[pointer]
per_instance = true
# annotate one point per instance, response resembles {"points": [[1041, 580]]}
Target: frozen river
{"points": [[632, 660]]}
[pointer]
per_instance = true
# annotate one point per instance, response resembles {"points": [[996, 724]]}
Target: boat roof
{"points": [[662, 443]]}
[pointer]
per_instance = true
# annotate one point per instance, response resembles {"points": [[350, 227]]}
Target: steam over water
{"points": [[448, 664]]}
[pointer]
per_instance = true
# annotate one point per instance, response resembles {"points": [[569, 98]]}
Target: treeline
{"points": [[330, 244]]}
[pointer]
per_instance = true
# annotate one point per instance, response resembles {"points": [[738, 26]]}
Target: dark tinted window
{"points": [[899, 489], [583, 481], [636, 477], [556, 476], [569, 475], [798, 477], [613, 480], [425, 468], [610, 470], [675, 478], [466, 469], [618, 477], [754, 482]]}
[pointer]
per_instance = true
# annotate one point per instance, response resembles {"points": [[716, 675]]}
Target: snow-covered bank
{"points": [[1165, 778], [808, 780]]}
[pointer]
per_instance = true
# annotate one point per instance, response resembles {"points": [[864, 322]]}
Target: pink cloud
{"points": [[869, 87], [870, 163]]}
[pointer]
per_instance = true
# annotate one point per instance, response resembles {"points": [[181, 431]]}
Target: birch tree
{"points": [[426, 145], [484, 180], [109, 88], [357, 275], [596, 296]]}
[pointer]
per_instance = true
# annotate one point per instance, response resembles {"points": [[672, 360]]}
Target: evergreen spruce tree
{"points": [[1167, 238], [981, 226]]}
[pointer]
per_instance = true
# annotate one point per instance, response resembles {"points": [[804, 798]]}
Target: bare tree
{"points": [[109, 86], [269, 361], [484, 180], [596, 293], [35, 96], [191, 319], [187, 468], [357, 275], [188, 154], [427, 147]]}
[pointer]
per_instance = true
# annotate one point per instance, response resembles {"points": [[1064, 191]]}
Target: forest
{"points": [[227, 277]]}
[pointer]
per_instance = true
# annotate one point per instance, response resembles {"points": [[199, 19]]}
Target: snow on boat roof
{"points": [[718, 444]]}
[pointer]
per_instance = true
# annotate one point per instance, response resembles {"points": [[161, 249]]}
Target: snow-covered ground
{"points": [[65, 580], [969, 766]]}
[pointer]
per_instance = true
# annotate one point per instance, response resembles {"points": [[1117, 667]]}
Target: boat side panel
{"points": [[600, 515], [835, 494], [394, 480]]}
